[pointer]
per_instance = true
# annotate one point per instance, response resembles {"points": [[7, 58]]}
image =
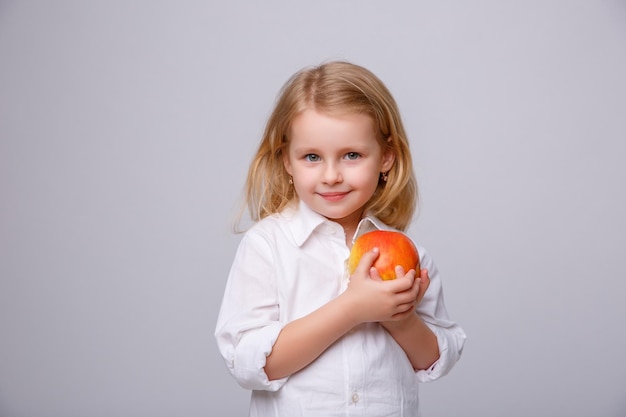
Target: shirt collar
{"points": [[303, 221], [368, 224]]}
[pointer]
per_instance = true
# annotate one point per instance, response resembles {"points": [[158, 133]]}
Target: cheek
{"points": [[302, 178], [367, 180]]}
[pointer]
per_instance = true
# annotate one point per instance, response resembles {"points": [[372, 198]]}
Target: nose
{"points": [[332, 174]]}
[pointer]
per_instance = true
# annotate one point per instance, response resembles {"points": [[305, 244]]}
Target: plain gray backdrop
{"points": [[126, 128]]}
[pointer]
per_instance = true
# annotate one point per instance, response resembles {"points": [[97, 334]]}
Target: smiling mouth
{"points": [[334, 196]]}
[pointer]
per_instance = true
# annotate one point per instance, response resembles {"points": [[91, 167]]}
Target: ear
{"points": [[286, 162], [388, 159]]}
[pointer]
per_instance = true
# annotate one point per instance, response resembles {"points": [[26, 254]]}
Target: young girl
{"points": [[306, 338]]}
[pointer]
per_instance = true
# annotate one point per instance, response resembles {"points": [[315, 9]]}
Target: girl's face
{"points": [[335, 162]]}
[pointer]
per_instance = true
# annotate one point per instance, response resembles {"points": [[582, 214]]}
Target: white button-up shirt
{"points": [[287, 266]]}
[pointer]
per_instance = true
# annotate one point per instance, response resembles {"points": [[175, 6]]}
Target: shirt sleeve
{"points": [[450, 337], [248, 322]]}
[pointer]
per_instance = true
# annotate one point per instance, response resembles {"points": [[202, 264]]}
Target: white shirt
{"points": [[287, 266]]}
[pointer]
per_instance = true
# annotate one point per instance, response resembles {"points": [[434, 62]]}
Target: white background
{"points": [[126, 128]]}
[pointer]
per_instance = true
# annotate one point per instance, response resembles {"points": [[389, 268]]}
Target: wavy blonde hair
{"points": [[333, 88]]}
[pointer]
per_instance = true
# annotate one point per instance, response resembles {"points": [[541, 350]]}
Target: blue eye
{"points": [[353, 155], [312, 157]]}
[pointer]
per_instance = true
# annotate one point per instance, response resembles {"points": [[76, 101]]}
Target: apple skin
{"points": [[396, 248]]}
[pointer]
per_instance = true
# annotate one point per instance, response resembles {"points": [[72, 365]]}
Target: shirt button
{"points": [[355, 397]]}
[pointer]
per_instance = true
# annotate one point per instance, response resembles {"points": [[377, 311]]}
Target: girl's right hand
{"points": [[370, 299]]}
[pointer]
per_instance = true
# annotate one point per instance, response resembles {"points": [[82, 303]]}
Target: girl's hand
{"points": [[420, 286], [370, 299]]}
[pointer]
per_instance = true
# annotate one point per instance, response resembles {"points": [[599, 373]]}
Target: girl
{"points": [[306, 338]]}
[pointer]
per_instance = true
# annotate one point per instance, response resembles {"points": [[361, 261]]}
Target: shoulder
{"points": [[260, 244], [270, 228]]}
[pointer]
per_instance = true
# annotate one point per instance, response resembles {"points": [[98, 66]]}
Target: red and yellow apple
{"points": [[395, 248]]}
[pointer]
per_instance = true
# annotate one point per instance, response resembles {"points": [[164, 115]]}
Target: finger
{"points": [[409, 305], [399, 271], [402, 285], [425, 280], [423, 285], [375, 275], [367, 260], [406, 280], [408, 296], [404, 313], [418, 286]]}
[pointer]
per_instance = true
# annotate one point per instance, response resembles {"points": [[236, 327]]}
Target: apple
{"points": [[396, 248]]}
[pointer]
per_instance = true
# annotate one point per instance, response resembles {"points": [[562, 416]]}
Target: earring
{"points": [[383, 176], [290, 180]]}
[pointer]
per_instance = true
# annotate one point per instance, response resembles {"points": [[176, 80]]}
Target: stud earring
{"points": [[290, 180], [383, 176]]}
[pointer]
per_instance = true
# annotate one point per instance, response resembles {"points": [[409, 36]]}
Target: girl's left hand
{"points": [[420, 285]]}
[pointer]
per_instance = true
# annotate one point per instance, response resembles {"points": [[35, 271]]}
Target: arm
{"points": [[431, 311], [365, 300], [413, 335], [303, 340]]}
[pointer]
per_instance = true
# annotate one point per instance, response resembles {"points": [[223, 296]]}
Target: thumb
{"points": [[366, 262]]}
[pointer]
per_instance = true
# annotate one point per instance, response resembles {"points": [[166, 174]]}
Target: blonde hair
{"points": [[333, 88]]}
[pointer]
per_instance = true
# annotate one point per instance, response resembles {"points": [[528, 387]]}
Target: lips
{"points": [[334, 196]]}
